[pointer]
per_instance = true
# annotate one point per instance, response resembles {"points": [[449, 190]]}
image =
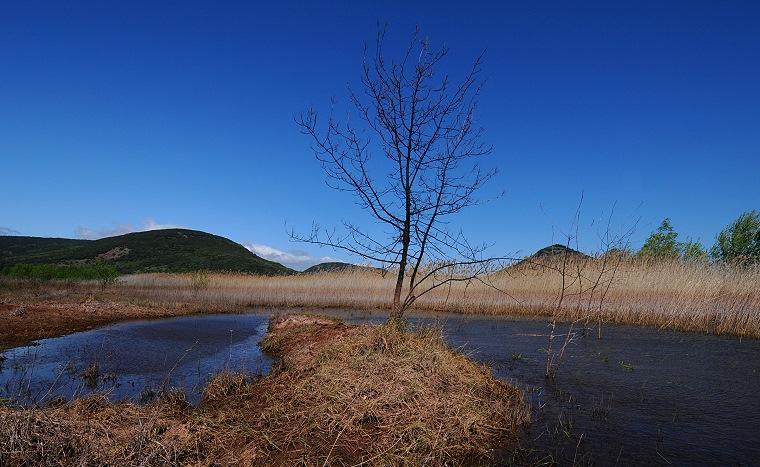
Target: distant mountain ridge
{"points": [[166, 250], [337, 267], [177, 251], [546, 254]]}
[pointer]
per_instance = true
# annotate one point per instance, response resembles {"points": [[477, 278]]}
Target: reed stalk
{"points": [[688, 296]]}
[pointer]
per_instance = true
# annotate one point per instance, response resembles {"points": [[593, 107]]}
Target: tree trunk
{"points": [[398, 310]]}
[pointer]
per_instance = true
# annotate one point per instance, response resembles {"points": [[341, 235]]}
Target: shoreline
{"points": [[32, 312], [338, 395]]}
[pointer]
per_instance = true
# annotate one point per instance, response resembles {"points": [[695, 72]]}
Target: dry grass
{"points": [[375, 395], [693, 297], [414, 400], [93, 431], [350, 289]]}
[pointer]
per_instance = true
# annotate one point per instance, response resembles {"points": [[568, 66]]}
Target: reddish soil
{"points": [[31, 314]]}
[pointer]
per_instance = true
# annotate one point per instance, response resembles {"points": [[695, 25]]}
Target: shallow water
{"points": [[637, 397], [136, 360]]}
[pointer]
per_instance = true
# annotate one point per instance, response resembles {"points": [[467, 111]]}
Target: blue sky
{"points": [[128, 115]]}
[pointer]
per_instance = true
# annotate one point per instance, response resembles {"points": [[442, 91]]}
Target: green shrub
{"points": [[103, 273], [663, 244], [740, 240], [199, 279]]}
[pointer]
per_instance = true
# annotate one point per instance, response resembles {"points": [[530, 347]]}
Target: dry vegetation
{"points": [[693, 297], [340, 395], [29, 312]]}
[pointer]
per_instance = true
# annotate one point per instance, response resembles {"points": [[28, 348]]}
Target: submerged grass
{"points": [[340, 395]]}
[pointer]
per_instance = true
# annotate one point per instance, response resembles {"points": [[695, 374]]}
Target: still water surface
{"points": [[136, 360], [636, 397]]}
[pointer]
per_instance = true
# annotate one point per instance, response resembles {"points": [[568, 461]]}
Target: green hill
{"points": [[547, 255], [169, 250], [558, 251]]}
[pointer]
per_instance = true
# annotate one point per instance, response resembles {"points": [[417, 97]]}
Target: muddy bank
{"points": [[30, 313]]}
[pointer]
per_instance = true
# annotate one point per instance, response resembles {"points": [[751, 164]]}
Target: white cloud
{"points": [[298, 260], [121, 229]]}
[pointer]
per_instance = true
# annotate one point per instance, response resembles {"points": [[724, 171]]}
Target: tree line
{"points": [[739, 242]]}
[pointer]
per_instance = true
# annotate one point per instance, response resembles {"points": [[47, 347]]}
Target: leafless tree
{"points": [[425, 130]]}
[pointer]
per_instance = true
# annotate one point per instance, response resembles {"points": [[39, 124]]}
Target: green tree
{"points": [[693, 250], [662, 243], [104, 273], [740, 240]]}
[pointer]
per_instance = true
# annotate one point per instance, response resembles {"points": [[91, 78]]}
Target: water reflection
{"points": [[136, 360], [638, 396]]}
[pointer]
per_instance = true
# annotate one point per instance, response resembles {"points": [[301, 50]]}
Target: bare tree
{"points": [[430, 142]]}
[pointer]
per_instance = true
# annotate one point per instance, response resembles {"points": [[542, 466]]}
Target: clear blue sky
{"points": [[118, 116]]}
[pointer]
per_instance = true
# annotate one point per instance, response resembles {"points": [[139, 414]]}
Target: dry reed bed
{"points": [[684, 296], [348, 289], [340, 396], [93, 431]]}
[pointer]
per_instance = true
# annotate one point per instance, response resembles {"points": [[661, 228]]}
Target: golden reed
{"points": [[696, 297]]}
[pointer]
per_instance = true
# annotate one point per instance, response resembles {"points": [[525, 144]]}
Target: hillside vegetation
{"points": [[168, 250], [339, 267]]}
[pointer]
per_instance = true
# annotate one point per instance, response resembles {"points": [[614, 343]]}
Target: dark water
{"points": [[637, 397], [136, 360]]}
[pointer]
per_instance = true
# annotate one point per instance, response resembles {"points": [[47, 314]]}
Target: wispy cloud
{"points": [[296, 259], [121, 229], [7, 231]]}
